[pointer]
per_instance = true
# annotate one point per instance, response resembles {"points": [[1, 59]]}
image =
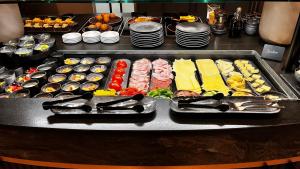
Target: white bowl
{"points": [[73, 37], [110, 37], [91, 34], [297, 74], [109, 40], [110, 34]]}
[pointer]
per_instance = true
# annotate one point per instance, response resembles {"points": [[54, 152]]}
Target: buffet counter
{"points": [[30, 135]]}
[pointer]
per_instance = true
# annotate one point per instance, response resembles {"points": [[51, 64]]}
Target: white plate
{"points": [[145, 27]]}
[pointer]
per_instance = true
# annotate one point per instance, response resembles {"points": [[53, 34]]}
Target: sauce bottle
{"points": [[235, 26]]}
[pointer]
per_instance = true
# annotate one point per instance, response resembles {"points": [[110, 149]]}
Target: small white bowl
{"points": [[73, 37], [297, 74], [91, 34], [110, 37]]}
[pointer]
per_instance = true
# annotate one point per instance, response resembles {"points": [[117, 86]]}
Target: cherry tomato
{"points": [[118, 78], [115, 86], [121, 64], [119, 71]]}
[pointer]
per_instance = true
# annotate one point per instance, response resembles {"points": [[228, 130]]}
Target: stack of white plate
{"points": [[110, 37], [91, 36], [71, 38], [193, 35], [146, 34]]}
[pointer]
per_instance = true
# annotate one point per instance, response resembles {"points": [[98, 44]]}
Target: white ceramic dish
{"points": [[110, 37], [297, 74], [73, 37]]}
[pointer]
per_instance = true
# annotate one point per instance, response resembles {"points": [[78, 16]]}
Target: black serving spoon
{"points": [[85, 108], [136, 108], [221, 107], [136, 97], [86, 96], [217, 96]]}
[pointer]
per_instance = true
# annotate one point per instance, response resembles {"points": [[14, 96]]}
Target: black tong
{"points": [[217, 96], [188, 103], [52, 104], [107, 105], [221, 107], [86, 96]]}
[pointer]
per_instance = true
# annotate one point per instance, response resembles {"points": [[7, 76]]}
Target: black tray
{"points": [[248, 86], [73, 28], [126, 75], [227, 100]]}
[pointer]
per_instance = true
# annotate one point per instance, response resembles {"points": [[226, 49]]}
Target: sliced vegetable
{"points": [[108, 92], [161, 93], [130, 91]]}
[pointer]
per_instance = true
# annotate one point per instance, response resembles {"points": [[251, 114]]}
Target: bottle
{"points": [[235, 26]]}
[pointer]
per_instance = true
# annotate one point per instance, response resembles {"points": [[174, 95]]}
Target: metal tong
{"points": [[107, 105], [217, 96], [52, 104]]}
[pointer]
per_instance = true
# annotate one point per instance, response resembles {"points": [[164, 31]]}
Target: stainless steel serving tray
{"points": [[252, 55], [227, 100], [149, 104]]}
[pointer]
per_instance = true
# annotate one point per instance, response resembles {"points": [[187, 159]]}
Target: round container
{"points": [[89, 86], [71, 61], [8, 50], [27, 38], [13, 88], [251, 26], [52, 88], [24, 52], [43, 95], [51, 61], [2, 85], [14, 43], [41, 47], [45, 67], [8, 76], [64, 95], [66, 69], [103, 60], [81, 68], [94, 77], [49, 42], [4, 96], [58, 56], [2, 69], [297, 74], [77, 77], [24, 93], [32, 86], [40, 76], [22, 78], [98, 69], [29, 44], [42, 37], [87, 61], [57, 78], [71, 87]]}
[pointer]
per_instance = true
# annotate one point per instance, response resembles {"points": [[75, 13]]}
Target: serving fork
{"points": [[254, 104]]}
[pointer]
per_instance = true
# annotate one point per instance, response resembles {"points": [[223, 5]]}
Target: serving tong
{"points": [[227, 105], [53, 104], [107, 105]]}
